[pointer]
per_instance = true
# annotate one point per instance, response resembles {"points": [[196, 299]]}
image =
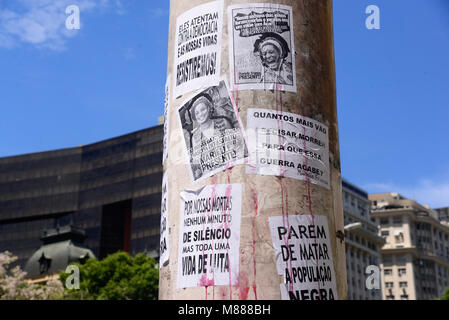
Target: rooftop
{"points": [[394, 200]]}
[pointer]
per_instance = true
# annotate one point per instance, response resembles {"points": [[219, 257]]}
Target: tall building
{"points": [[443, 215], [110, 189], [415, 257], [362, 242]]}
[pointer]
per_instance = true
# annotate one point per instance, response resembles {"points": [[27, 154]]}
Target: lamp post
{"points": [[253, 165], [353, 226]]}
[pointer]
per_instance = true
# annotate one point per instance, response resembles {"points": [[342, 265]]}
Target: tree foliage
{"points": [[445, 295], [117, 277], [13, 285]]}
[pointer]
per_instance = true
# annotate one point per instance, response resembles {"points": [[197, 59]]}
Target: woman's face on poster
{"points": [[202, 113], [270, 55]]}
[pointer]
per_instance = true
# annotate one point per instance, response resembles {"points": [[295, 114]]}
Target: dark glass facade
{"points": [[111, 189]]}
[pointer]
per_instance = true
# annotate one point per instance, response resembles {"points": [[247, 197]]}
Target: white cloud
{"points": [[120, 7], [41, 22], [433, 193], [158, 12]]}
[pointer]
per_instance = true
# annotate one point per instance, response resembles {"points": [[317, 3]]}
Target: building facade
{"points": [[415, 257], [362, 243], [110, 189], [443, 215]]}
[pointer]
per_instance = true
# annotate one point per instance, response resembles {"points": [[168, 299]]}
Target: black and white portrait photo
{"points": [[261, 42], [212, 133], [273, 52]]}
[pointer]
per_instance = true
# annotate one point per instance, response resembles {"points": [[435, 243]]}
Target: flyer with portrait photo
{"points": [[261, 47], [212, 132]]}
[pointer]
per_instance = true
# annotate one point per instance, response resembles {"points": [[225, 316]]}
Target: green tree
{"points": [[117, 277], [445, 295]]}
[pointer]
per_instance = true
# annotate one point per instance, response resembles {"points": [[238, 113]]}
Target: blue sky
{"points": [[61, 88]]}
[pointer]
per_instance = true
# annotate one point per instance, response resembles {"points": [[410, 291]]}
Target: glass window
{"points": [[401, 259], [397, 220], [388, 259]]}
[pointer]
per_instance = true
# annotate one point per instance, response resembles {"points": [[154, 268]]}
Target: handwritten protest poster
{"points": [[164, 241], [304, 257], [288, 145], [198, 48], [209, 237]]}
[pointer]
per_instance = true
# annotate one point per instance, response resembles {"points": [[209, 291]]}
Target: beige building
{"points": [[362, 242], [415, 257], [443, 215]]}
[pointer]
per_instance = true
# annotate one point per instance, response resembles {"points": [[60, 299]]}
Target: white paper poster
{"points": [[209, 236], [262, 51], [304, 257], [212, 132], [198, 48], [166, 119], [288, 145], [164, 241]]}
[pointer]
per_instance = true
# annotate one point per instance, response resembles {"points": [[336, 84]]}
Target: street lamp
{"points": [[353, 226]]}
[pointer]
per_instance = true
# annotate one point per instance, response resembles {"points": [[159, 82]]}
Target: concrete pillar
{"points": [[264, 195]]}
